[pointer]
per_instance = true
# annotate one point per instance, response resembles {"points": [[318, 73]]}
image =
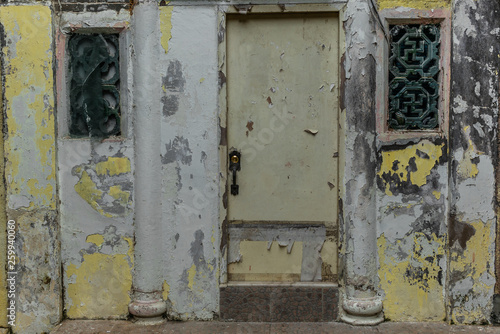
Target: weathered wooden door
{"points": [[282, 91]]}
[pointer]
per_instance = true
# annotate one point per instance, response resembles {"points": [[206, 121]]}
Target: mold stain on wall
{"points": [[472, 269]]}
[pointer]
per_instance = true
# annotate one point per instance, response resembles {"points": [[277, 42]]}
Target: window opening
{"points": [[414, 77], [95, 79]]}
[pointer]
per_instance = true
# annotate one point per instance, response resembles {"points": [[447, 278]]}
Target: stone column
{"points": [[358, 258], [147, 305]]}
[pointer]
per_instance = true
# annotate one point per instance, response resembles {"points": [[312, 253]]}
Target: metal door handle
{"points": [[234, 166]]}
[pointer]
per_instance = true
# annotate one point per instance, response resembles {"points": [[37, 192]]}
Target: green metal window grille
{"points": [[95, 79], [413, 77]]}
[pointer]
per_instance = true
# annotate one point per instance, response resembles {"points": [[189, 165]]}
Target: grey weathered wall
{"points": [[473, 159], [190, 161]]}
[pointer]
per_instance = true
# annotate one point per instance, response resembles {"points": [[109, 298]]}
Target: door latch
{"points": [[234, 166]]}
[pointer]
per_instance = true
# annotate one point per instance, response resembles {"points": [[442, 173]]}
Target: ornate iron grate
{"points": [[414, 77], [95, 79]]}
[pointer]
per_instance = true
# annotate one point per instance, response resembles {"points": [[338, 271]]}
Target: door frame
{"points": [[223, 11]]}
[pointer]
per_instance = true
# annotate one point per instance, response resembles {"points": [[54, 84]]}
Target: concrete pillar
{"points": [[147, 305], [360, 303]]}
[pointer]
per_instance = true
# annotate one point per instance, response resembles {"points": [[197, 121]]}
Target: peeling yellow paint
{"points": [[97, 193], [166, 25], [416, 4], [96, 239], [437, 194], [476, 264], [191, 275], [166, 290], [113, 166], [466, 168], [100, 286], [87, 189], [40, 192], [29, 87], [117, 193], [396, 162], [410, 281]]}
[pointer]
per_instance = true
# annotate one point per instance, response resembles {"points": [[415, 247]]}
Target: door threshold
{"points": [[279, 301]]}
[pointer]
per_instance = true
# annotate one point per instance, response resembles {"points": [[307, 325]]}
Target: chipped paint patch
{"points": [[87, 189], [103, 188], [474, 273], [96, 239], [437, 194], [415, 4], [411, 276], [166, 26], [100, 286], [467, 166], [113, 166], [410, 165], [191, 274]]}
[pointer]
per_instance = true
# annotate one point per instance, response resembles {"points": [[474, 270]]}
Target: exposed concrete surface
{"points": [[123, 327]]}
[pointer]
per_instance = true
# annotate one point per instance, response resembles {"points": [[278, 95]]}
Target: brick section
{"points": [[279, 303]]}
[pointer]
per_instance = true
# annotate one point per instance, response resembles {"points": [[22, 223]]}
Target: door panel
{"points": [[282, 78]]}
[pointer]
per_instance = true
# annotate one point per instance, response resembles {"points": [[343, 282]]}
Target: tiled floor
{"points": [[125, 327]]}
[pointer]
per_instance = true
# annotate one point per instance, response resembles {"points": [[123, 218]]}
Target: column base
{"points": [[148, 312], [362, 311]]}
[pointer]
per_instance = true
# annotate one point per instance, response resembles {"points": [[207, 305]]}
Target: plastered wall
{"points": [[190, 132], [30, 163], [430, 199]]}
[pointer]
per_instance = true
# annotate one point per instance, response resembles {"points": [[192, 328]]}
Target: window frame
{"points": [[401, 16], [77, 23]]}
